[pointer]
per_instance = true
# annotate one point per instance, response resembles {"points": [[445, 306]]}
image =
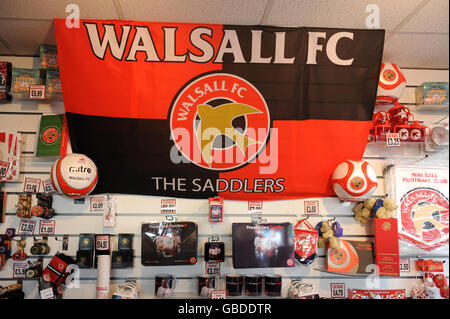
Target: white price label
{"points": [[255, 207], [405, 265], [19, 269], [47, 227], [48, 187], [37, 92], [168, 206], [47, 293], [311, 207], [32, 185], [392, 139], [212, 268], [98, 203], [337, 290], [3, 168], [218, 294], [26, 227]]}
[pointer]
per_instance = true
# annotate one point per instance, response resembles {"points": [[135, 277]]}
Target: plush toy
{"points": [[374, 207], [329, 233]]}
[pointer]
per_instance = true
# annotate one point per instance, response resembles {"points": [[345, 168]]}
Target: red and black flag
{"points": [[196, 110]]}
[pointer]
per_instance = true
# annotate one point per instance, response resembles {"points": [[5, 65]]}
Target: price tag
{"points": [[98, 203], [102, 242], [48, 187], [4, 166], [47, 227], [212, 268], [337, 290], [311, 207], [218, 294], [393, 139], [37, 92], [47, 293], [168, 206], [32, 185], [405, 265], [19, 269], [255, 207], [26, 227]]}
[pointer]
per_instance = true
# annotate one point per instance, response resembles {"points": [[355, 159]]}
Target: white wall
{"points": [[72, 219]]}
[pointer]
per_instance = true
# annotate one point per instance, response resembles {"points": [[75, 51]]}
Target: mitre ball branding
{"points": [[200, 110]]}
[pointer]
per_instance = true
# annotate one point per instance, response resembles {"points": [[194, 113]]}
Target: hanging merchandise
{"points": [[53, 136], [5, 245], [375, 207], [74, 175], [215, 209], [128, 290], [5, 81], [56, 271], [2, 206], [85, 253], [109, 214], [43, 208], [435, 285], [34, 269], [103, 276], [169, 243], [9, 156], [263, 245], [354, 181], [391, 85], [386, 247], [40, 246], [20, 254], [329, 234], [305, 242], [421, 193], [124, 256], [376, 294], [214, 251]]}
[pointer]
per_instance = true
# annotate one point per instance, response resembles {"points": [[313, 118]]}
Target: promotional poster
{"points": [[165, 244], [263, 245]]}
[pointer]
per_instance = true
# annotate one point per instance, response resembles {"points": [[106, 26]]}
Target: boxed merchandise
{"points": [[49, 56], [263, 245], [5, 81], [22, 79], [386, 247], [53, 82], [169, 243], [351, 257], [432, 93]]}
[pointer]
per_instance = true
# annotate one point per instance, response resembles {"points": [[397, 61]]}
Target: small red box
{"points": [[386, 247]]}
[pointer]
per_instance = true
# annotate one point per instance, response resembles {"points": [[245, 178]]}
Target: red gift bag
{"points": [[305, 242]]}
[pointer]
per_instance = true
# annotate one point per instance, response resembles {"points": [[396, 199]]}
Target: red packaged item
{"points": [[429, 265], [215, 210], [305, 242], [399, 113], [5, 81], [386, 247], [418, 132], [55, 272], [376, 294], [403, 129]]}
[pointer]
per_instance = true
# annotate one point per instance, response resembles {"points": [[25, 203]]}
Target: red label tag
{"points": [[168, 206], [37, 92], [337, 290], [393, 139], [32, 185], [47, 227], [4, 166], [26, 227]]}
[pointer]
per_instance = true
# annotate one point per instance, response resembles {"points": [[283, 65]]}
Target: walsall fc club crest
{"points": [[219, 121], [424, 218]]}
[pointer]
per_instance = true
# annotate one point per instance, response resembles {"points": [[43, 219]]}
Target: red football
{"points": [[440, 280], [444, 292]]}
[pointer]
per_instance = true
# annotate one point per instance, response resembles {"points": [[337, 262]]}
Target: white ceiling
{"points": [[416, 30]]}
